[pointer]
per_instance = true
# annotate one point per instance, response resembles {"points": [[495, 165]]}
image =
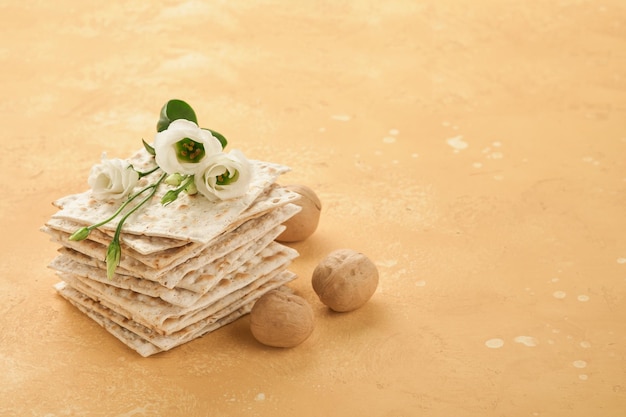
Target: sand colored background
{"points": [[475, 150]]}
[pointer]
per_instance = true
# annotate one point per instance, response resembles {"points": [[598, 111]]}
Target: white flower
{"points": [[183, 146], [224, 176], [112, 178]]}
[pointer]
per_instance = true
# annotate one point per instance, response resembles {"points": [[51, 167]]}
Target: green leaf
{"points": [[149, 148], [174, 110], [219, 137]]}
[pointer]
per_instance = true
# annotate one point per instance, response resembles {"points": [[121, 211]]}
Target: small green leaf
{"points": [[174, 110], [219, 137], [149, 148]]}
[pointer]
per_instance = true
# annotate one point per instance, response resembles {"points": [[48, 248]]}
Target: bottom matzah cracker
{"points": [[147, 343]]}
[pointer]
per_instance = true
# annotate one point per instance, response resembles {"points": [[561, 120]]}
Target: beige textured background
{"points": [[475, 150]]}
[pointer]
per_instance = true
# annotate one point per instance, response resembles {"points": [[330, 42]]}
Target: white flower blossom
{"points": [[183, 147], [224, 176], [112, 179]]}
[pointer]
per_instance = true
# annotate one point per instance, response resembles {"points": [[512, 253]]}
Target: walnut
{"points": [[304, 223], [281, 319], [345, 280]]}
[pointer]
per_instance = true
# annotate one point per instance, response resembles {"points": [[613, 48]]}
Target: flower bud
{"points": [[169, 197], [174, 179], [191, 189], [80, 234], [114, 255]]}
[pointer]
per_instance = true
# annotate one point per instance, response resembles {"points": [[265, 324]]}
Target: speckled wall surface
{"points": [[475, 150]]}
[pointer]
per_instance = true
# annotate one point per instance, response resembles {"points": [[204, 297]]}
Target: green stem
{"points": [[143, 174], [154, 187], [114, 252], [122, 207]]}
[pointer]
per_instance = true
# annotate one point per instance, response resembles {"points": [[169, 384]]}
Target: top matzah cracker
{"points": [[273, 198], [191, 218]]}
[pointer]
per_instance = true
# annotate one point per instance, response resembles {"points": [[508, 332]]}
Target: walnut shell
{"points": [[304, 223], [281, 319], [345, 280]]}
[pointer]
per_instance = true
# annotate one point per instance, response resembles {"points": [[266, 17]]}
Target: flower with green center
{"points": [[183, 147], [224, 176], [188, 150]]}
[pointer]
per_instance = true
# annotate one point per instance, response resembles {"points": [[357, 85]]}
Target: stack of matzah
{"points": [[186, 269]]}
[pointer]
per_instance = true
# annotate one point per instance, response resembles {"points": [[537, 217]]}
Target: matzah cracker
{"points": [[274, 197], [155, 266], [209, 316], [144, 245], [142, 346], [119, 326], [186, 293]]}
